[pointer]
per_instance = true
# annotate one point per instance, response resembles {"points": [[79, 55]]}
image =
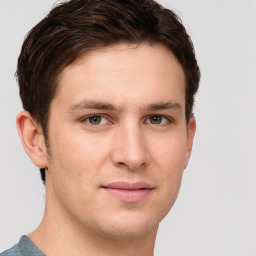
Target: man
{"points": [[108, 89]]}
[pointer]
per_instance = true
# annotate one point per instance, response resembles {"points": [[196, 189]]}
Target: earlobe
{"points": [[32, 139], [190, 137]]}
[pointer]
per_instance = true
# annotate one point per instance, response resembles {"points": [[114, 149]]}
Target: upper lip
{"points": [[128, 186]]}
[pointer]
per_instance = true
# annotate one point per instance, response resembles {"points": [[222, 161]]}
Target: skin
{"points": [[137, 96]]}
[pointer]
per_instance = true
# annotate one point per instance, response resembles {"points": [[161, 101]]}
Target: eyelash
{"points": [[86, 119], [168, 119]]}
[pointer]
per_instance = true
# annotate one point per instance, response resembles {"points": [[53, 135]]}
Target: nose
{"points": [[129, 148]]}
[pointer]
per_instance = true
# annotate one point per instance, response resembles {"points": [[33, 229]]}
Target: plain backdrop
{"points": [[215, 213]]}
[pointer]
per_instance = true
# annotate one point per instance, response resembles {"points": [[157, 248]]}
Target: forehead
{"points": [[124, 72]]}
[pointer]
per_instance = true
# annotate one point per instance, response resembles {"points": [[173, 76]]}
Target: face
{"points": [[118, 140]]}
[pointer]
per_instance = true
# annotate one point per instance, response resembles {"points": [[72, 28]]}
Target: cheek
{"points": [[169, 157], [77, 158], [170, 152], [75, 148], [65, 163], [71, 172]]}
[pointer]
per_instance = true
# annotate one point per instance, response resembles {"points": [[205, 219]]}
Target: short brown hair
{"points": [[75, 27]]}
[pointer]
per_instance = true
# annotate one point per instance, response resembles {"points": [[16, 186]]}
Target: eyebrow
{"points": [[163, 106], [90, 104]]}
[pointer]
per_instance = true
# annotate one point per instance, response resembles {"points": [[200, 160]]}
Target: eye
{"points": [[158, 120], [95, 120]]}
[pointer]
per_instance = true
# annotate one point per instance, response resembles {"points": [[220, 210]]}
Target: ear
{"points": [[190, 137], [32, 139]]}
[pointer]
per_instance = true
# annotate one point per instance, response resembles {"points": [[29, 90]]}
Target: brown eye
{"points": [[159, 120], [95, 120], [156, 119]]}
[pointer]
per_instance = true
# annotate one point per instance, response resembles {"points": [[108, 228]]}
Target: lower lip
{"points": [[126, 195]]}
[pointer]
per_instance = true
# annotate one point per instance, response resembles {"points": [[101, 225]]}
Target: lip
{"points": [[129, 192]]}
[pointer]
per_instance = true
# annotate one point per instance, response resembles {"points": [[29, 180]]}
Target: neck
{"points": [[60, 234]]}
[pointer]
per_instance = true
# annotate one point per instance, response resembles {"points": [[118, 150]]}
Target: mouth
{"points": [[129, 192]]}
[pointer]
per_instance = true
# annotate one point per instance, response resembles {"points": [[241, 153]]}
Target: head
{"points": [[115, 50], [76, 27]]}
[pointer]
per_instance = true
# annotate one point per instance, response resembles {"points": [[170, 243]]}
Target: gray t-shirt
{"points": [[25, 247]]}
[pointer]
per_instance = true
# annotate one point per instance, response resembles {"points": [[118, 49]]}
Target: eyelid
{"points": [[169, 119], [85, 118]]}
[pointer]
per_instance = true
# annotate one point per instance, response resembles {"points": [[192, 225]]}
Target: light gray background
{"points": [[216, 209]]}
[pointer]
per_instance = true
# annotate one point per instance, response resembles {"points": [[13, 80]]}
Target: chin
{"points": [[130, 232], [130, 226]]}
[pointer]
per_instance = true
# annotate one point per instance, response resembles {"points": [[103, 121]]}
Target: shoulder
{"points": [[14, 251], [25, 247]]}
